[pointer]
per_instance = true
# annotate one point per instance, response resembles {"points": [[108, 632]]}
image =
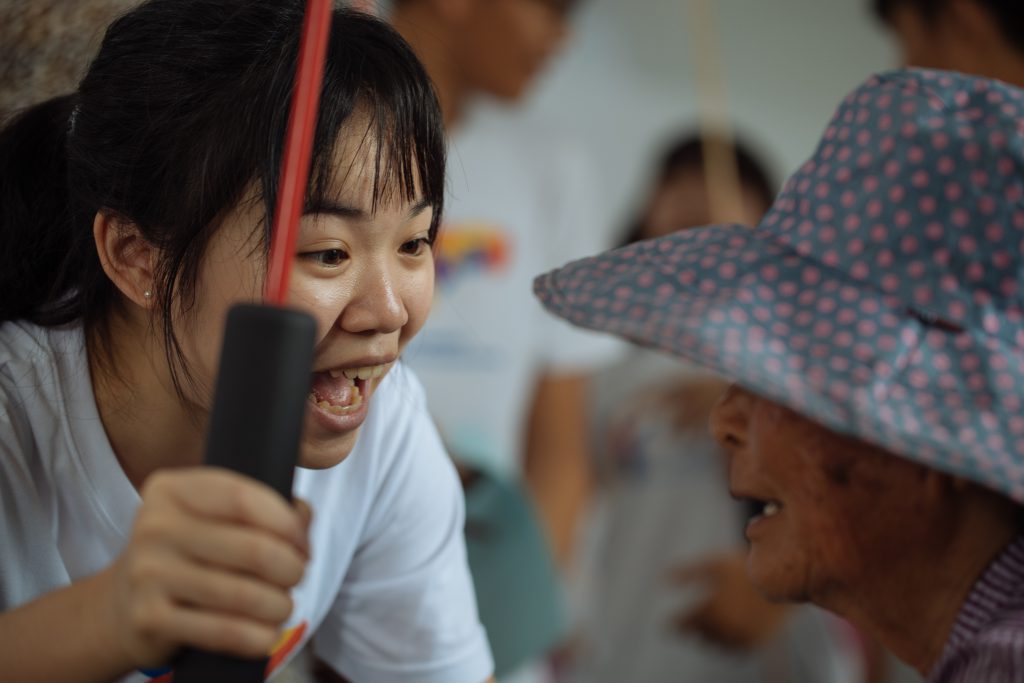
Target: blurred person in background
{"points": [[666, 594], [505, 381], [46, 45], [980, 37]]}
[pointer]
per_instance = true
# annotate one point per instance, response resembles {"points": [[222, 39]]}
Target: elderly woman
{"points": [[874, 323]]}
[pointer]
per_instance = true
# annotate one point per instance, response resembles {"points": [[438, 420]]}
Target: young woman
{"points": [[133, 213]]}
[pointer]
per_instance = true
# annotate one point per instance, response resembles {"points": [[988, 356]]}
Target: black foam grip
{"points": [[259, 405]]}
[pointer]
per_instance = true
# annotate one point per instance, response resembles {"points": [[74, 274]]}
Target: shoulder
{"points": [[28, 375], [21, 341]]}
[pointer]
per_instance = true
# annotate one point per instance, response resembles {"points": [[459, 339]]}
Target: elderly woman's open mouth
{"points": [[760, 510]]}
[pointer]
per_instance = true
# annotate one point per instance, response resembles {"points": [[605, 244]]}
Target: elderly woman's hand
{"points": [[733, 614]]}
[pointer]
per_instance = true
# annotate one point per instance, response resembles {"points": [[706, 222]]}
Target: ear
{"points": [[127, 258]]}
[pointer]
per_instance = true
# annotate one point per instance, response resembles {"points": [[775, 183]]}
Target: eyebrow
{"points": [[353, 212]]}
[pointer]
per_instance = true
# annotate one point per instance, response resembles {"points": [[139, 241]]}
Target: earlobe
{"points": [[127, 257]]}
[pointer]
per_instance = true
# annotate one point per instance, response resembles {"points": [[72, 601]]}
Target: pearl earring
{"points": [[148, 294]]}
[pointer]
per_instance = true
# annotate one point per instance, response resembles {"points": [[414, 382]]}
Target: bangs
{"points": [[382, 86]]}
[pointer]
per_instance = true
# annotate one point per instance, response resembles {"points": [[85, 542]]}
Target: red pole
{"points": [[298, 147]]}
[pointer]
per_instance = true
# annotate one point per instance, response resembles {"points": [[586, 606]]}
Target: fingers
{"points": [[211, 560], [227, 496], [239, 549], [215, 590], [706, 623], [214, 632]]}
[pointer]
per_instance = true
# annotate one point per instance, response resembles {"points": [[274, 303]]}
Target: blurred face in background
{"points": [[681, 202], [960, 35], [923, 41], [506, 43]]}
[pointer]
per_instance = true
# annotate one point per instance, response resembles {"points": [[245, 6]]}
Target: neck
{"points": [[427, 34], [147, 424], [930, 586]]}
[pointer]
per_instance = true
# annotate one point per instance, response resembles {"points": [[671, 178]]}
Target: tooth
{"points": [[771, 509], [366, 373], [351, 373], [324, 404], [335, 373]]}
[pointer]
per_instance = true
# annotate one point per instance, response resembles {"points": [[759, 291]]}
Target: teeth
{"points": [[368, 372], [334, 373], [771, 509], [355, 401]]}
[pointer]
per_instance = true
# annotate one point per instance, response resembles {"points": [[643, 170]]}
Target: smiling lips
{"points": [[341, 390]]}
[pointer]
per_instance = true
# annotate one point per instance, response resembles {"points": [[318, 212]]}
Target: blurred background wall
{"points": [[626, 79]]}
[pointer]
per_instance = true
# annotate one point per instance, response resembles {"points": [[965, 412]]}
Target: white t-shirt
{"points": [[521, 201], [387, 592]]}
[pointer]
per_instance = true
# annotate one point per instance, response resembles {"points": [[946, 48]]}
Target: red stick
{"points": [[298, 148]]}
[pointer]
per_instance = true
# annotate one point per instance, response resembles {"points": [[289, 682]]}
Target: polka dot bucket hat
{"points": [[883, 293]]}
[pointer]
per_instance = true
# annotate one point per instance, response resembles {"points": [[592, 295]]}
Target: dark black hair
{"points": [[182, 113], [687, 153], [1008, 14]]}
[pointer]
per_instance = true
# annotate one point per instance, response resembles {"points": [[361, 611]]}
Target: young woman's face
{"points": [[366, 276]]}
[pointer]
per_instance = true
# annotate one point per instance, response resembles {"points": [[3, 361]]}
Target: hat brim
{"points": [[811, 338]]}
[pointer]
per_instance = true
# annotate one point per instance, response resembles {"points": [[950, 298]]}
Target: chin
{"points": [[774, 578], [322, 454]]}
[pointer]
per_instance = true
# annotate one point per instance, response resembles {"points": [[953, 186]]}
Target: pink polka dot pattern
{"points": [[880, 296]]}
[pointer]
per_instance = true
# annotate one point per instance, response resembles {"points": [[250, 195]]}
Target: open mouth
{"points": [[762, 509], [342, 390]]}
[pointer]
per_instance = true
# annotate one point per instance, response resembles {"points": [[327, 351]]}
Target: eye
{"points": [[329, 258], [415, 247]]}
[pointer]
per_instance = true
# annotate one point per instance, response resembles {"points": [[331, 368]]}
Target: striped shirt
{"points": [[986, 643]]}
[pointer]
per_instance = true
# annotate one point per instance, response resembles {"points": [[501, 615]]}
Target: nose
{"points": [[730, 418], [376, 305]]}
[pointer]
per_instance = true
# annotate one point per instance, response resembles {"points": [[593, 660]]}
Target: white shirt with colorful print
{"points": [[387, 594]]}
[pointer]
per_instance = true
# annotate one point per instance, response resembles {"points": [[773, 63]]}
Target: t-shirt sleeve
{"points": [[580, 227], [406, 610]]}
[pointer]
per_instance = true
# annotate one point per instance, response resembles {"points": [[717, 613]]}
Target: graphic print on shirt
{"points": [[286, 644], [470, 249]]}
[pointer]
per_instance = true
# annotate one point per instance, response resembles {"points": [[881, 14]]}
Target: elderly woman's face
{"points": [[834, 508]]}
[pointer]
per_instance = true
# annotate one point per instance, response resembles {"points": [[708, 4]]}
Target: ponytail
{"points": [[42, 258]]}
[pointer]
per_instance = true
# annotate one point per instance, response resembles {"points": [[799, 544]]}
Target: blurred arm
{"points": [[558, 471]]}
